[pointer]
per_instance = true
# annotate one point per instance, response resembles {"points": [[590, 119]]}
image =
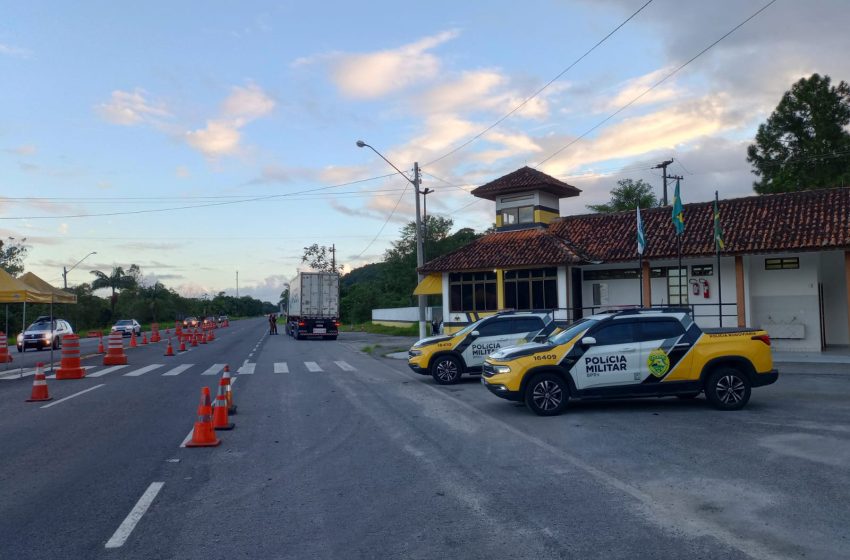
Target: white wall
{"points": [[834, 281], [786, 297], [402, 314]]}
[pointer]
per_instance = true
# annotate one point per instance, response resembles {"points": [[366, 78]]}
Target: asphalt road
{"points": [[337, 454]]}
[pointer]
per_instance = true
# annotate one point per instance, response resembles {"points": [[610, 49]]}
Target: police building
{"points": [[785, 265]]}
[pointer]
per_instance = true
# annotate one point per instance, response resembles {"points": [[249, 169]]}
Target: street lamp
{"points": [[420, 253], [65, 271]]}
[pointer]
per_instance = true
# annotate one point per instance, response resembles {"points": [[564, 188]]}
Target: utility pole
{"points": [[333, 257], [425, 192], [663, 167], [65, 277], [420, 251]]}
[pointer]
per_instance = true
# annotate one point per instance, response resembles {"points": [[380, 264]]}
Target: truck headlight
{"points": [[500, 369]]}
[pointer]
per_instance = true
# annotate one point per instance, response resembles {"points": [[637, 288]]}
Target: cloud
{"points": [[221, 136], [131, 108], [182, 172], [24, 150], [376, 74], [18, 52]]}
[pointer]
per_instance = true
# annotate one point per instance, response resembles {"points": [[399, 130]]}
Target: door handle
{"points": [[629, 350]]}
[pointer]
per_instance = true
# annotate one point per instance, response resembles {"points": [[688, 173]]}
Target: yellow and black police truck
{"points": [[635, 353], [447, 357]]}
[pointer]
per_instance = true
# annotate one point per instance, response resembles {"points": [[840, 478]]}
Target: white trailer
{"points": [[313, 307]]}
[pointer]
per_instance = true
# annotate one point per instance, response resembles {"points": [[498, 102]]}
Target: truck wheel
{"points": [[446, 370], [728, 389], [547, 394]]}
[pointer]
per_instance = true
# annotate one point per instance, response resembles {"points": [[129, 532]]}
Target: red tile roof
{"points": [[801, 221], [525, 179], [505, 249]]}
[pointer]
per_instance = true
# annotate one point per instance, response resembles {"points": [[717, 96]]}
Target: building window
{"points": [[473, 291], [787, 263], [677, 290], [520, 215], [702, 270], [612, 274], [531, 289]]}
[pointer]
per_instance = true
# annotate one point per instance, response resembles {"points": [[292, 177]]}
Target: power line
{"points": [[385, 222], [539, 91], [655, 85], [208, 205]]}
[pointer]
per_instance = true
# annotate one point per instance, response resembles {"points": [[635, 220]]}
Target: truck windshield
{"points": [[572, 331]]}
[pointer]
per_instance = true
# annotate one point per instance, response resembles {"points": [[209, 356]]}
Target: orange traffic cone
{"points": [[167, 332], [210, 336], [169, 351], [133, 342], [195, 339], [144, 338], [182, 344], [5, 357], [231, 408], [100, 349], [220, 420], [203, 435], [70, 367], [203, 338], [39, 385], [115, 355]]}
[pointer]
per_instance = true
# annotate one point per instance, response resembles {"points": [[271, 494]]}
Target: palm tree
{"points": [[116, 281]]}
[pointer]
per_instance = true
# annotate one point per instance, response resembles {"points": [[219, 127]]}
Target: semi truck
{"points": [[313, 306]]}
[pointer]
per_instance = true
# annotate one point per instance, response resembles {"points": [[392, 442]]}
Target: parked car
{"points": [[190, 322], [127, 327], [222, 319], [41, 334]]}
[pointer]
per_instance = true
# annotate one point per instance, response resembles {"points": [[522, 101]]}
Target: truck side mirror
{"points": [[588, 341]]}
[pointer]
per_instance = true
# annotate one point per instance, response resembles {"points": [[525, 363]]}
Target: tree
{"points": [[12, 255], [804, 144], [116, 281], [317, 256], [626, 196]]}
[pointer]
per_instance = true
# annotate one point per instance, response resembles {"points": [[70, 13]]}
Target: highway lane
{"points": [[339, 455]]}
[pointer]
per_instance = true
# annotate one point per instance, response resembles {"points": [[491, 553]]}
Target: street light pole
{"points": [[420, 253], [65, 271]]}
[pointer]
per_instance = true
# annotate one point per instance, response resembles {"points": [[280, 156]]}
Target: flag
{"points": [[678, 212], [641, 237], [718, 230]]}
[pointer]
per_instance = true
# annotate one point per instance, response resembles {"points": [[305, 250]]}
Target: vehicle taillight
{"points": [[763, 337], [302, 324], [337, 323]]}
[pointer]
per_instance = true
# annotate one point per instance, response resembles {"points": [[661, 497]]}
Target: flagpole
{"points": [[719, 282], [679, 239], [640, 268]]}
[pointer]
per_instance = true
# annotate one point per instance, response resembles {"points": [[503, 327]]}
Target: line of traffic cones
{"points": [[169, 351], [215, 418]]}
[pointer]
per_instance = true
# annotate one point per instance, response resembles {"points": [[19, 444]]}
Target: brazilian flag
{"points": [[678, 211], [718, 230]]}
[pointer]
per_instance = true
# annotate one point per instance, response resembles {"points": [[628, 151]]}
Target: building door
{"points": [[576, 289], [677, 286]]}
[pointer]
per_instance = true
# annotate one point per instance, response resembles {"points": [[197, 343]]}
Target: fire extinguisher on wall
{"points": [[706, 290]]}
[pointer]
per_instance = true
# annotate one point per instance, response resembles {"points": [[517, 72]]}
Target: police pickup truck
{"points": [[635, 353], [448, 357]]}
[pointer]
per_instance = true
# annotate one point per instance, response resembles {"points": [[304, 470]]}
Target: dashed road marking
{"points": [[345, 366], [144, 370], [312, 366], [178, 370], [214, 369], [53, 376], [103, 372], [247, 368], [281, 367], [123, 532], [54, 403]]}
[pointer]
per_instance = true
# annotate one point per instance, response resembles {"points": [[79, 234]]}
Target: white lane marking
{"points": [[54, 403], [313, 366], [345, 366], [251, 355], [214, 369], [103, 372], [178, 370], [281, 367], [144, 370], [123, 532], [17, 373], [188, 437], [53, 376], [247, 368]]}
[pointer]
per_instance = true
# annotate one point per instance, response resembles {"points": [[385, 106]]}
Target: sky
{"points": [[198, 139]]}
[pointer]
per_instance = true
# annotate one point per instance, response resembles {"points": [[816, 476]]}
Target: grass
{"points": [[412, 330]]}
